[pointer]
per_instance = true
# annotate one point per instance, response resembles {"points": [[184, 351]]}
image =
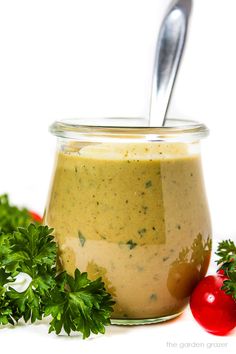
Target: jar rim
{"points": [[104, 129]]}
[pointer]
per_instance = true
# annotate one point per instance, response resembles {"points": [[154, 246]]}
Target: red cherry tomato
{"points": [[36, 217], [221, 272], [212, 308]]}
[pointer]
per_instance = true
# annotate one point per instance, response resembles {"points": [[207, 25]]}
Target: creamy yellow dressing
{"points": [[137, 215]]}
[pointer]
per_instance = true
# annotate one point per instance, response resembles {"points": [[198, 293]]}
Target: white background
{"points": [[63, 59]]}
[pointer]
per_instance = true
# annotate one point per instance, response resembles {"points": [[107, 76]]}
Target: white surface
{"points": [[179, 336], [76, 58]]}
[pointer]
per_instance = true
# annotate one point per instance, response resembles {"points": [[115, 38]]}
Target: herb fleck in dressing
{"points": [[133, 210], [82, 239]]}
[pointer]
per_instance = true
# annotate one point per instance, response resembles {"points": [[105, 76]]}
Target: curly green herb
{"points": [[29, 251]]}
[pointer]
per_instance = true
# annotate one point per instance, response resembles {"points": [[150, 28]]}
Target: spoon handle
{"points": [[169, 50]]}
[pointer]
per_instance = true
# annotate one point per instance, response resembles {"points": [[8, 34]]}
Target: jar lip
{"points": [[174, 129]]}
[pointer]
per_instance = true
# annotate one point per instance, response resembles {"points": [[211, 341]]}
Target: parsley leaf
{"points": [[34, 252], [79, 304], [226, 251], [29, 250], [5, 249], [12, 217], [5, 312], [227, 260], [5, 308]]}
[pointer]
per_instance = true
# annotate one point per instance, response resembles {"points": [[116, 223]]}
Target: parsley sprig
{"points": [[12, 217], [79, 304], [226, 252], [28, 249]]}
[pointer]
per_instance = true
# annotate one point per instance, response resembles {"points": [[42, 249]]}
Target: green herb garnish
{"points": [[227, 260], [30, 252], [79, 304], [11, 216]]}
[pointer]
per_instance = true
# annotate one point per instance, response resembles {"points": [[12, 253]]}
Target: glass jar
{"points": [[129, 204]]}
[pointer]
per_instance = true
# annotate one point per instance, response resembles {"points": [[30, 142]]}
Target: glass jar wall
{"points": [[129, 204]]}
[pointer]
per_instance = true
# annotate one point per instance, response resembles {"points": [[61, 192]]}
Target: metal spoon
{"points": [[169, 49]]}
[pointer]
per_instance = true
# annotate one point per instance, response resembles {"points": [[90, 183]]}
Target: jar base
{"points": [[142, 321]]}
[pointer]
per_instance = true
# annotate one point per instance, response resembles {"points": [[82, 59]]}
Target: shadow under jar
{"points": [[129, 204]]}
